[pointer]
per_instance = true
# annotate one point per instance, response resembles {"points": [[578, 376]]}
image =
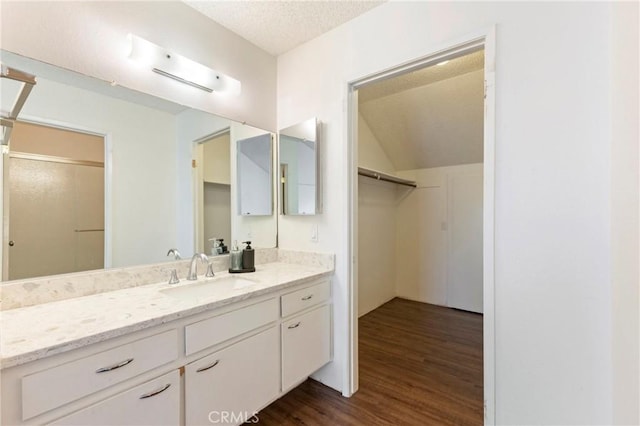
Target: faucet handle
{"points": [[174, 277], [175, 253], [210, 273]]}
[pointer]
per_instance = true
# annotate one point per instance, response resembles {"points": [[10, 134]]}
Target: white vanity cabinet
{"points": [[153, 403], [231, 385], [115, 383], [218, 366], [306, 333]]}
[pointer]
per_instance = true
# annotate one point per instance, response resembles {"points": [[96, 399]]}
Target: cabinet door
{"points": [[156, 402], [229, 386], [306, 345]]}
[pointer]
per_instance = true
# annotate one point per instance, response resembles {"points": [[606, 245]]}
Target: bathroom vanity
{"points": [[199, 352]]}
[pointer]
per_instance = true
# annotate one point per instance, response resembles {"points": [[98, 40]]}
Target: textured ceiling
{"points": [[429, 118], [278, 26]]}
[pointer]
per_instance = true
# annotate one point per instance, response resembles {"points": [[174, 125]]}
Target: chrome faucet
{"points": [[193, 267], [175, 253]]}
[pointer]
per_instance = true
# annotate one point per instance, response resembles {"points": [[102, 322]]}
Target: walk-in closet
{"points": [[420, 225]]}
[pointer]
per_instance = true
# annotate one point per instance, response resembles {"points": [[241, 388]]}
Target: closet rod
{"points": [[385, 177]]}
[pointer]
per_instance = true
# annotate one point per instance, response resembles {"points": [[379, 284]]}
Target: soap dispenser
{"points": [[236, 258], [248, 258]]}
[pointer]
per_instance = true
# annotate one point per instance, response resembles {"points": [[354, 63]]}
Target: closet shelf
{"points": [[374, 174]]}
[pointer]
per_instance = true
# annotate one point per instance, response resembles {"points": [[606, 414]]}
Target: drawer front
{"points": [[56, 386], [301, 299], [212, 331], [234, 382], [156, 402], [306, 345]]}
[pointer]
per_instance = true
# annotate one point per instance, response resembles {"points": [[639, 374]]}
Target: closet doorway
{"points": [[419, 137]]}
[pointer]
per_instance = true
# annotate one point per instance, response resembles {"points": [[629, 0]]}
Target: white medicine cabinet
{"points": [[299, 169]]}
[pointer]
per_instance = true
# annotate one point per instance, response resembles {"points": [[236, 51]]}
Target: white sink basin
{"points": [[208, 288]]}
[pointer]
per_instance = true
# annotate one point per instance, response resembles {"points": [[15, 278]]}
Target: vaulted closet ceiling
{"points": [[432, 117]]}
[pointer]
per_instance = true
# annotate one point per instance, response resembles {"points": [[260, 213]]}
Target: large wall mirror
{"points": [[299, 169], [100, 176]]}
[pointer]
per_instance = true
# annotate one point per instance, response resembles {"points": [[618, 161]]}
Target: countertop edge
{"points": [[51, 350]]}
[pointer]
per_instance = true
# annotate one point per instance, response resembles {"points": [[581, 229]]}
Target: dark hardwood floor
{"points": [[419, 364]]}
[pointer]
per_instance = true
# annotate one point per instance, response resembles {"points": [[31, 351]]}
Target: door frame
{"points": [[108, 193], [484, 38]]}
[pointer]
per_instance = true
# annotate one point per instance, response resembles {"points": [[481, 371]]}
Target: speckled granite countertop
{"points": [[34, 332]]}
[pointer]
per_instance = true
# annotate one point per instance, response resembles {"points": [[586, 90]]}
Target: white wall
{"points": [[552, 282], [377, 206], [377, 243], [90, 37], [625, 189], [370, 153], [141, 163]]}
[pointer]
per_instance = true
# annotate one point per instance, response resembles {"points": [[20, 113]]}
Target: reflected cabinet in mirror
{"points": [[100, 176], [255, 176], [299, 169]]}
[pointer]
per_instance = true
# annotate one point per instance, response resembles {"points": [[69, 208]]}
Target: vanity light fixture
{"points": [[179, 68]]}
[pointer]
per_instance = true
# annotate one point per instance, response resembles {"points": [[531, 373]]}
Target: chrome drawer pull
{"points": [[114, 366], [154, 393], [296, 325], [208, 367], [307, 297]]}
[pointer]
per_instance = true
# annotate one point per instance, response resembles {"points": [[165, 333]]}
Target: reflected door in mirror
{"points": [[56, 202]]}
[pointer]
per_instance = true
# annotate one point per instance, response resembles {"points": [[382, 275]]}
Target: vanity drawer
{"points": [[48, 389], [210, 332], [306, 297], [155, 403]]}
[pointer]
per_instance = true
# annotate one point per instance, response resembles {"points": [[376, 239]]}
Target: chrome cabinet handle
{"points": [[114, 366], [154, 393], [199, 370], [307, 297], [296, 325]]}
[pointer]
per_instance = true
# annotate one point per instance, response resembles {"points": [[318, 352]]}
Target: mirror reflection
{"points": [[255, 195], [150, 199], [213, 193], [298, 155]]}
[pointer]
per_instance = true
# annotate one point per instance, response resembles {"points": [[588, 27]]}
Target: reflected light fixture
{"points": [[177, 67], [442, 63]]}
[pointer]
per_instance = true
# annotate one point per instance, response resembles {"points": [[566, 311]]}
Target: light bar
{"points": [[177, 67]]}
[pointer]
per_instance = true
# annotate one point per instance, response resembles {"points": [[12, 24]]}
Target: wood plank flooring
{"points": [[420, 364]]}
